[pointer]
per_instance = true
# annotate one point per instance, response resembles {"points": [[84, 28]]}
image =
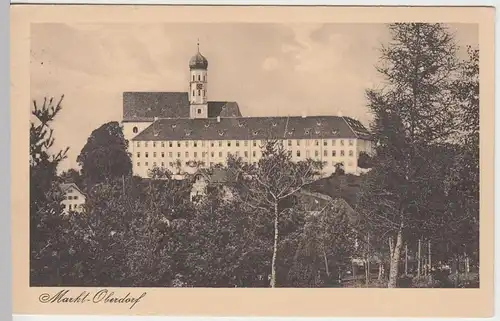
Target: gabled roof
{"points": [[145, 106], [251, 128], [65, 186]]}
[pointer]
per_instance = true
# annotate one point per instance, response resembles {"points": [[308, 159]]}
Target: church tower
{"points": [[198, 66]]}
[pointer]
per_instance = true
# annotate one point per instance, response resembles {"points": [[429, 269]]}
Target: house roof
{"points": [[65, 186], [145, 106], [337, 201], [252, 128], [218, 175]]}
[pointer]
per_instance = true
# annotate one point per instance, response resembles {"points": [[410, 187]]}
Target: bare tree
{"points": [[270, 184]]}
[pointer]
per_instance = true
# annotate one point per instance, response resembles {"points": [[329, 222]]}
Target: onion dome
{"points": [[198, 61]]}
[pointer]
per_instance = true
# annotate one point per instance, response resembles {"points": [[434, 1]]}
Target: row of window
{"points": [[172, 164], [199, 78], [74, 206], [245, 154], [199, 92], [238, 143], [69, 197], [195, 154]]}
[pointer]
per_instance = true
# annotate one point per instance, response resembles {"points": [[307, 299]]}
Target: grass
{"points": [[470, 280]]}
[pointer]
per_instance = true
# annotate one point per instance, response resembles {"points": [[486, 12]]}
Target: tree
{"points": [[221, 248], [364, 160], [269, 185], [339, 169], [133, 232], [105, 155], [72, 176], [462, 224], [47, 225], [326, 247], [414, 111]]}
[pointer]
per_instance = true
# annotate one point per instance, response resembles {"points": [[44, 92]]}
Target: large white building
{"points": [[166, 128]]}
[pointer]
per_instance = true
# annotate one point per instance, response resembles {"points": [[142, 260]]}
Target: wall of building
{"points": [[196, 95], [366, 146], [146, 155], [198, 111], [128, 129], [73, 201]]}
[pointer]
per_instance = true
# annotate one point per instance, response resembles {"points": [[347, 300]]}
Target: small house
{"points": [[74, 198]]}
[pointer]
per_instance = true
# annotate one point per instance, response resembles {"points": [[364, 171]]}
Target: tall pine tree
{"points": [[413, 113]]}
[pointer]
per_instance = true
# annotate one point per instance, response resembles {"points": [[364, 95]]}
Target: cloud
{"points": [[270, 63]]}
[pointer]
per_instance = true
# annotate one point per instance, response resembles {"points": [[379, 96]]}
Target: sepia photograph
{"points": [[330, 155], [252, 160]]}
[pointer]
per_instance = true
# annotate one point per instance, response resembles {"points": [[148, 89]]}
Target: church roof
{"points": [[254, 128], [223, 109], [145, 106]]}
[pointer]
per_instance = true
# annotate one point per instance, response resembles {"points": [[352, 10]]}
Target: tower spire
{"points": [[198, 44]]}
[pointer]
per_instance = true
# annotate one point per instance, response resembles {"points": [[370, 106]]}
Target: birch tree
{"points": [[268, 186]]}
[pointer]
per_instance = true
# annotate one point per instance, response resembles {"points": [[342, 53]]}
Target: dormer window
{"points": [[274, 124], [174, 125], [221, 133], [307, 131], [207, 125], [255, 132]]}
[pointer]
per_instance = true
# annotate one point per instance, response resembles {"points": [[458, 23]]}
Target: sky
{"points": [[269, 69]]}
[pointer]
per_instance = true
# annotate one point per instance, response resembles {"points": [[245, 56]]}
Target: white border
{"points": [[6, 304]]}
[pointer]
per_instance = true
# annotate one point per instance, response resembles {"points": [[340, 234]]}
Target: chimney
{"points": [[339, 113], [218, 119], [156, 130], [304, 115]]}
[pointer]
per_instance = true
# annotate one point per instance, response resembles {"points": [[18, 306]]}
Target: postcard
{"points": [[252, 160]]}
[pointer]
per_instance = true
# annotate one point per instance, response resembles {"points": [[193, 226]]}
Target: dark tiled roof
{"points": [[357, 128], [65, 186], [198, 62], [223, 109], [145, 106], [218, 175], [249, 128]]}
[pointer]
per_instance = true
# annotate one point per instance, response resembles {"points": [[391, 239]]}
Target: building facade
{"points": [[175, 130], [74, 198]]}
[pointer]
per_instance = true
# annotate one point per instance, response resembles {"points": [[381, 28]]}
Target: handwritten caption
{"points": [[101, 296]]}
